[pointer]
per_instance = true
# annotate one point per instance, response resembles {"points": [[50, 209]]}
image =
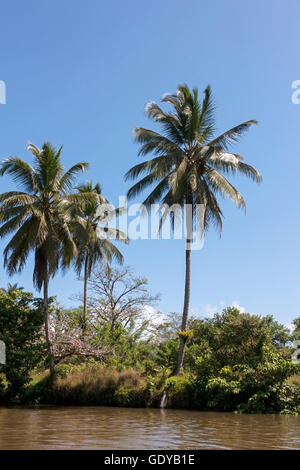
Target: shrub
{"points": [[21, 319], [180, 392], [252, 389]]}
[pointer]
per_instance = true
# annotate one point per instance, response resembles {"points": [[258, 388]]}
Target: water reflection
{"points": [[124, 428]]}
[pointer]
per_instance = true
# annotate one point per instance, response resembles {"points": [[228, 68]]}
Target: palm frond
{"points": [[232, 135], [21, 172], [222, 186], [66, 182]]}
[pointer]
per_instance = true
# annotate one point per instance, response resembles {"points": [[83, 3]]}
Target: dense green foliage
{"points": [[21, 319], [234, 361], [248, 377]]}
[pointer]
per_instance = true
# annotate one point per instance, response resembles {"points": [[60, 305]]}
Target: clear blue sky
{"points": [[79, 73]]}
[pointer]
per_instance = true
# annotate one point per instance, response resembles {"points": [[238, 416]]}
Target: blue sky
{"points": [[80, 73]]}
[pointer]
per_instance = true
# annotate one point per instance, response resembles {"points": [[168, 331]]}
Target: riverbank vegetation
{"points": [[233, 362], [114, 348]]}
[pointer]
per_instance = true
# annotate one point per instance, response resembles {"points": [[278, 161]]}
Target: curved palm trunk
{"points": [[46, 316], [85, 290], [185, 313]]}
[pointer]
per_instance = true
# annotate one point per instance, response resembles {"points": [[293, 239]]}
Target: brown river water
{"points": [[127, 428]]}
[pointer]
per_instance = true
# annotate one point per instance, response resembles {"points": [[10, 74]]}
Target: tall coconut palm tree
{"points": [[188, 168], [39, 218], [91, 236]]}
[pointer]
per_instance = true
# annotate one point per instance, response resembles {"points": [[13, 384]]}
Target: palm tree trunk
{"points": [[85, 290], [46, 316], [185, 313]]}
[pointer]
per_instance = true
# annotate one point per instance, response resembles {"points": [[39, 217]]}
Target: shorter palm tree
{"points": [[92, 238], [39, 218]]}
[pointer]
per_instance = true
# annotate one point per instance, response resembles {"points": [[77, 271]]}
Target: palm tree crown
{"points": [[92, 237], [189, 163], [40, 216]]}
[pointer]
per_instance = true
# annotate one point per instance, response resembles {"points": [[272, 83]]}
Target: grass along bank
{"points": [[94, 385]]}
